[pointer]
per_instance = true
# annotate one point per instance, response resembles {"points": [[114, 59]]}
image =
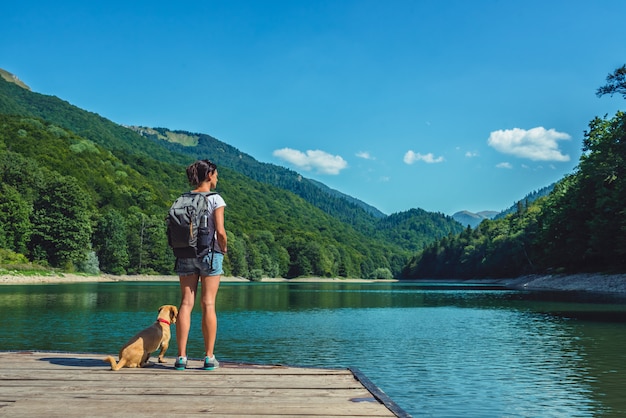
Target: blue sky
{"points": [[439, 105]]}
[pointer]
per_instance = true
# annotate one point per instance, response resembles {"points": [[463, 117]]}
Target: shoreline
{"points": [[62, 278], [577, 282], [590, 282]]}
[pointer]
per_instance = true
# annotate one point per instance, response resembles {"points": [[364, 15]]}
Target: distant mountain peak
{"points": [[12, 78], [465, 217]]}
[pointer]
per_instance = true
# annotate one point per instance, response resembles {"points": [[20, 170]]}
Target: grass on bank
{"points": [[14, 264]]}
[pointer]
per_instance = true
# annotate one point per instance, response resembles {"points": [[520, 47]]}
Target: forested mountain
{"points": [[79, 190], [580, 226], [410, 230], [339, 205]]}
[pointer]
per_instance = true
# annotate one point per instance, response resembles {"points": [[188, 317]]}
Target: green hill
{"points": [[340, 206], [416, 229], [125, 181]]}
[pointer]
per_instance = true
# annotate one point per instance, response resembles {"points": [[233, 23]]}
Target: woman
{"points": [[203, 176]]}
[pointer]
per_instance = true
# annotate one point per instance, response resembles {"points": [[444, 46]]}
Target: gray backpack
{"points": [[188, 226]]}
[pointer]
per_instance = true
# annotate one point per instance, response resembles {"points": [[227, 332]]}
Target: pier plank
{"points": [[35, 384]]}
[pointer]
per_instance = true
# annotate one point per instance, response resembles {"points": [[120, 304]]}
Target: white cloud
{"points": [[410, 157], [504, 165], [322, 162], [537, 144], [471, 154], [365, 155]]}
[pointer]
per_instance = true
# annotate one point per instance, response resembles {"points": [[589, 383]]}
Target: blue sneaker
{"points": [[181, 363], [211, 363]]}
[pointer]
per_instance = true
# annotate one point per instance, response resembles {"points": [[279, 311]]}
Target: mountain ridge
{"points": [[297, 230], [190, 140], [465, 217], [199, 145], [12, 78], [185, 139]]}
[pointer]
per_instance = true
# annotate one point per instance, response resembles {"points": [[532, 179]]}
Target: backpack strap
{"points": [[211, 248]]}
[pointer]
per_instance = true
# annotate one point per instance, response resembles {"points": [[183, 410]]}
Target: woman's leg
{"points": [[188, 289], [210, 285]]}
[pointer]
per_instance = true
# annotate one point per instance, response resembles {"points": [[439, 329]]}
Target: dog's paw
{"points": [[162, 360]]}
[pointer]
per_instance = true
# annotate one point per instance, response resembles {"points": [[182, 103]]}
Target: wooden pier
{"points": [[45, 384]]}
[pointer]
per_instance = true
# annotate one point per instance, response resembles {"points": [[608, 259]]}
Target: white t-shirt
{"points": [[215, 201]]}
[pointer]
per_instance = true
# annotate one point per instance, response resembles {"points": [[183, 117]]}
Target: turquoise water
{"points": [[436, 350]]}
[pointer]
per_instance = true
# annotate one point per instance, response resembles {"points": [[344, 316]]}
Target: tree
{"points": [[62, 222], [159, 257], [147, 244], [602, 173], [15, 225], [382, 273], [236, 263], [110, 243], [616, 83]]}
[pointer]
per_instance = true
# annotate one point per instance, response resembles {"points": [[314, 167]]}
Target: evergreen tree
{"points": [[15, 225], [62, 223], [110, 243], [236, 261]]}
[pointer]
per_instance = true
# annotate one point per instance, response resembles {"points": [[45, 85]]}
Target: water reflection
{"points": [[437, 350]]}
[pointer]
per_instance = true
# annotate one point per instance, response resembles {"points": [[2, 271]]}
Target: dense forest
{"points": [[580, 226], [81, 193]]}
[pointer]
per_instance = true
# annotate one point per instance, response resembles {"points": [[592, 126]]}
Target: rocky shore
{"points": [[596, 282], [590, 282]]}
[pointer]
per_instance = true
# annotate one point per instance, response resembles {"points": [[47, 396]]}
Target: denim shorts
{"points": [[189, 266]]}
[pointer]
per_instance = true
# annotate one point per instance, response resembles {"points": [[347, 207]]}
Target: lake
{"points": [[438, 350]]}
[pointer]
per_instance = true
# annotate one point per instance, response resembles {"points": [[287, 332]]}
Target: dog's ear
{"points": [[161, 308], [173, 314]]}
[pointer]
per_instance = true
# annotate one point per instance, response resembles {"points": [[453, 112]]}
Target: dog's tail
{"points": [[114, 364]]}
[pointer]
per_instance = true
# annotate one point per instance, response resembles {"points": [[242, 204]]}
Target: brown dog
{"points": [[137, 350]]}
